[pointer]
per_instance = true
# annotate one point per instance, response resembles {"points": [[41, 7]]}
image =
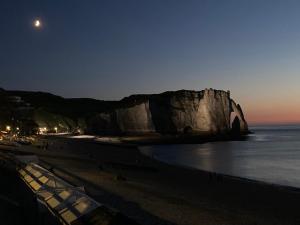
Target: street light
{"points": [[42, 130], [55, 128], [8, 128]]}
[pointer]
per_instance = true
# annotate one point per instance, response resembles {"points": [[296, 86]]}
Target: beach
{"points": [[152, 192]]}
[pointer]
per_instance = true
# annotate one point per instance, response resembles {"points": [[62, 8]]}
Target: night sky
{"points": [[111, 49]]}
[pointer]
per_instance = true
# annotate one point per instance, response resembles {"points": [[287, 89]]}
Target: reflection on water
{"points": [[271, 154]]}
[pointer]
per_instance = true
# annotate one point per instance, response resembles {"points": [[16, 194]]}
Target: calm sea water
{"points": [[271, 154]]}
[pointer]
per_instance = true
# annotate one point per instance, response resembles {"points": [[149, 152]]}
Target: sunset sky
{"points": [[111, 49]]}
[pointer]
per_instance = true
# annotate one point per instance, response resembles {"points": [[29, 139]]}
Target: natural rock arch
{"points": [[236, 125], [237, 119]]}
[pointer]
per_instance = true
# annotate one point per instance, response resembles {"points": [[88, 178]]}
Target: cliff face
{"points": [[208, 111], [191, 112]]}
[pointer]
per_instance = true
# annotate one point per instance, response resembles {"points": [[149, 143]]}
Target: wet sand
{"points": [[152, 192]]}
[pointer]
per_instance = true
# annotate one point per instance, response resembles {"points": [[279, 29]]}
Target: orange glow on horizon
{"points": [[273, 107], [264, 120], [272, 116]]}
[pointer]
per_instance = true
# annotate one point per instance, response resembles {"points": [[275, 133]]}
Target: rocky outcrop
{"points": [[207, 111], [242, 125]]}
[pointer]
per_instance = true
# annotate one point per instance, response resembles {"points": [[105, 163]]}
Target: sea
{"points": [[270, 154]]}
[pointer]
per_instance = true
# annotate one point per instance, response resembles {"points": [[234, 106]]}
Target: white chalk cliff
{"points": [[208, 111]]}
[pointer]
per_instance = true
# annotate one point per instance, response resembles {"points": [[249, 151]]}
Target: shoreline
{"points": [[163, 193], [227, 176], [232, 177], [158, 139], [136, 147]]}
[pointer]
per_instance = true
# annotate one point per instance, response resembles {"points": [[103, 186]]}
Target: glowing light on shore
{"points": [[43, 130], [8, 128]]}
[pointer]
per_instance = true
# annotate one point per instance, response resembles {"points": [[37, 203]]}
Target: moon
{"points": [[37, 23]]}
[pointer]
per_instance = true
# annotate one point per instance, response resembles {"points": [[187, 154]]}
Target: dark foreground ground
{"points": [[17, 204], [155, 193]]}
